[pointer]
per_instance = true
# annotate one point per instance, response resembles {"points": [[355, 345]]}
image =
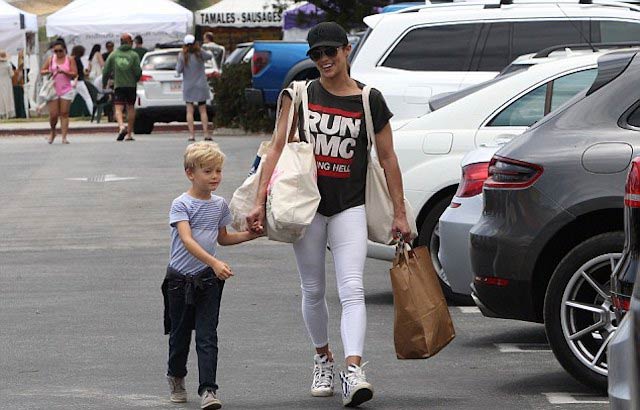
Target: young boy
{"points": [[195, 277]]}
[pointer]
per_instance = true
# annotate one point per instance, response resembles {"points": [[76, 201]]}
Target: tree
{"points": [[193, 5], [347, 13]]}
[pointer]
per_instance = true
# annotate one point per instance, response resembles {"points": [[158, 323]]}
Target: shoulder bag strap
{"points": [[368, 119]]}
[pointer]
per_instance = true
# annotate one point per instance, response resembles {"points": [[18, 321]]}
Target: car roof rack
{"points": [[620, 44], [491, 4]]}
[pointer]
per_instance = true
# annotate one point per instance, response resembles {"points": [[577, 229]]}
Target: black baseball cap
{"points": [[327, 34]]}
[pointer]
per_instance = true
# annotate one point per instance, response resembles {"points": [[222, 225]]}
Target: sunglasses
{"points": [[59, 50], [316, 53]]}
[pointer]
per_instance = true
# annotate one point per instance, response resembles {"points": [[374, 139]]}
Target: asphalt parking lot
{"points": [[84, 242]]}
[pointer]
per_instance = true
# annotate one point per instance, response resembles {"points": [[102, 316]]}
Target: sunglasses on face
{"points": [[59, 50], [317, 53]]}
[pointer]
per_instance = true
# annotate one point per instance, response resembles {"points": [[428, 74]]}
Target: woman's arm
{"points": [[73, 69], [389, 161], [180, 63], [255, 219], [232, 238], [100, 60], [45, 68], [221, 269]]}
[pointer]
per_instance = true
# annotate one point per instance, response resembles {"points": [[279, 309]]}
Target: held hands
{"points": [[255, 220], [401, 227], [221, 269]]}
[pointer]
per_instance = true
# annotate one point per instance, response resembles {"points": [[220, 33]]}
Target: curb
{"points": [[113, 128]]}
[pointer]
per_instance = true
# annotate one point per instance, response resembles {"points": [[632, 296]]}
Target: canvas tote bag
{"points": [[422, 325], [378, 204], [292, 193]]}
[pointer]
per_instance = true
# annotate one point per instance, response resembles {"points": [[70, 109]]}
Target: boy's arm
{"points": [[221, 269], [232, 238]]}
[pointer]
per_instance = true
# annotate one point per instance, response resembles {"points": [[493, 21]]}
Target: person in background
{"points": [[109, 47], [137, 46], [7, 107], [94, 70], [214, 48], [124, 65], [195, 88], [77, 52], [62, 69]]}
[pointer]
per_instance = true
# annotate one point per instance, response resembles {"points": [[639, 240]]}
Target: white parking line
{"points": [[469, 309], [575, 398], [523, 347]]}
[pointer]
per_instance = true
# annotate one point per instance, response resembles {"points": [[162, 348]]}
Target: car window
{"points": [[440, 48], [532, 36], [614, 31], [493, 54], [164, 61], [564, 88], [236, 55], [531, 107], [634, 118]]}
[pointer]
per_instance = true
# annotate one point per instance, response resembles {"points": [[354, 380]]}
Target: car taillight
{"points": [[145, 77], [621, 303], [492, 281], [473, 177], [511, 173], [632, 187], [259, 61]]}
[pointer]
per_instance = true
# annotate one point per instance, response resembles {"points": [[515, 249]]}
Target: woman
{"points": [[63, 70], [7, 104], [94, 70], [337, 121], [195, 88]]}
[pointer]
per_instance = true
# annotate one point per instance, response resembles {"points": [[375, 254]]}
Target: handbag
{"points": [[378, 203], [47, 90], [244, 198], [292, 192], [422, 325]]}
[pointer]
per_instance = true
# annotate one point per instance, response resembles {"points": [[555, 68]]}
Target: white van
{"points": [[418, 52]]}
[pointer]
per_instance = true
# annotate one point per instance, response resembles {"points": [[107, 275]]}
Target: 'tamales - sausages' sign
{"points": [[267, 18]]}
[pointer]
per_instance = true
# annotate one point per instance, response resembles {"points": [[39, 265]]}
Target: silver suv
{"points": [[159, 94]]}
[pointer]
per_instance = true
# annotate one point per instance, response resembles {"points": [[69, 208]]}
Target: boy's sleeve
{"points": [[225, 215], [178, 212]]}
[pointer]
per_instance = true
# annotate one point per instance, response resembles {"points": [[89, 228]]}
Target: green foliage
{"points": [[193, 5], [232, 109]]}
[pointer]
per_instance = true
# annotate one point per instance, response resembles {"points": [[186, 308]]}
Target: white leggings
{"points": [[346, 233]]}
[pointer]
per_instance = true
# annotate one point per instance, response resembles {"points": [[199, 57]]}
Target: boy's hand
{"points": [[222, 270]]}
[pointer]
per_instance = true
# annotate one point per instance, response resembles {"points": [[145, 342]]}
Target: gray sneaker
{"points": [[210, 401], [178, 392], [322, 385]]}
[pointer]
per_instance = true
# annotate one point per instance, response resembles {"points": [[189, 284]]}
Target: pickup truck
{"points": [[274, 65]]}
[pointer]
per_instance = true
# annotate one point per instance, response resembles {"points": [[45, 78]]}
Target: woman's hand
{"points": [[255, 220], [401, 225]]}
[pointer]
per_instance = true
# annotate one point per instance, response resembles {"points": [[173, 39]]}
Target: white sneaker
{"points": [[210, 401], [322, 385], [178, 392], [355, 388]]}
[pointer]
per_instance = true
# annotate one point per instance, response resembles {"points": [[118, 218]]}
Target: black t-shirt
{"points": [[80, 67], [339, 136]]}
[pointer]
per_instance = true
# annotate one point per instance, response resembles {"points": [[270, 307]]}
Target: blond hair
{"points": [[201, 154]]}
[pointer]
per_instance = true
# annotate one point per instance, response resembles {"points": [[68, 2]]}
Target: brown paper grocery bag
{"points": [[422, 325]]}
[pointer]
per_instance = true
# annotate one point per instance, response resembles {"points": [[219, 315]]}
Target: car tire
{"points": [[143, 125], [568, 294], [429, 237]]}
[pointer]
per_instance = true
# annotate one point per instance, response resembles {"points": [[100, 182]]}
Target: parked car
{"points": [[623, 354], [241, 54], [551, 230], [413, 54], [430, 148], [159, 91]]}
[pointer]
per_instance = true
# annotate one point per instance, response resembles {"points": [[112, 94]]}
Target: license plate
{"points": [[175, 86]]}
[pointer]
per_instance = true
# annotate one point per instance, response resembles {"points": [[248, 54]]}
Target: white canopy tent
{"points": [[14, 25], [241, 13], [89, 22]]}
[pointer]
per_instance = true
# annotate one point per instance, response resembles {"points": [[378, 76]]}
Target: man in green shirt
{"points": [[124, 65], [138, 48]]}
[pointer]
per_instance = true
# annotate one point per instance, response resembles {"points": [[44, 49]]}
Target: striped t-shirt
{"points": [[205, 217]]}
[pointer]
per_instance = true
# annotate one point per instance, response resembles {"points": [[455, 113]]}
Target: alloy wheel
{"points": [[587, 318]]}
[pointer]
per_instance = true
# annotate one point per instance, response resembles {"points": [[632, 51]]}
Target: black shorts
{"points": [[199, 103], [124, 96]]}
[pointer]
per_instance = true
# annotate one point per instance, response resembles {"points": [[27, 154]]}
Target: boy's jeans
{"points": [[194, 303]]}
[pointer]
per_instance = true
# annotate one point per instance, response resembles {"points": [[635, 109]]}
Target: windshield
{"points": [[167, 62]]}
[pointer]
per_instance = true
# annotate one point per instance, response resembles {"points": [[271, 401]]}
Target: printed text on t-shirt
{"points": [[336, 133]]}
